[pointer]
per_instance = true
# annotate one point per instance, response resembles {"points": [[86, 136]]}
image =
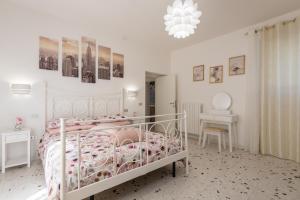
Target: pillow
{"points": [[109, 119], [80, 121], [126, 136], [104, 126], [110, 125], [121, 123], [70, 128], [55, 123]]}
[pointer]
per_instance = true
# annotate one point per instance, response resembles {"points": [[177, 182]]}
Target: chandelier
{"points": [[182, 18]]}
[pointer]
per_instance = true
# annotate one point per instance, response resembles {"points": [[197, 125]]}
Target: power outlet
{"points": [[35, 116], [32, 137]]}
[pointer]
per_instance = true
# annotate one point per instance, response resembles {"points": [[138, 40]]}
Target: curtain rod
{"points": [[273, 26]]}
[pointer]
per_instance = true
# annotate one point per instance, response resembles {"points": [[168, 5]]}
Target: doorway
{"points": [[150, 95], [160, 94]]}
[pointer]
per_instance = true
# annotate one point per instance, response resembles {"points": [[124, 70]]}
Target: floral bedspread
{"points": [[97, 157]]}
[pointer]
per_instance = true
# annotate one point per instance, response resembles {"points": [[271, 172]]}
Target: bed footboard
{"points": [[172, 129]]}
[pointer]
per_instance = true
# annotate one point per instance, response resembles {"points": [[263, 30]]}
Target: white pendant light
{"points": [[182, 18]]}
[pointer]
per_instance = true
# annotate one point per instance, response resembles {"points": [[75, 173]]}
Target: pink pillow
{"points": [[70, 128], [106, 127], [121, 123], [126, 136], [55, 123], [110, 119]]}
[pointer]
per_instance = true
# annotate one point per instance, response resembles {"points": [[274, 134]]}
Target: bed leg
{"points": [[187, 165], [92, 197], [174, 169]]}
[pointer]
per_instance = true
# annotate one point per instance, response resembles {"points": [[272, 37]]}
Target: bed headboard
{"points": [[72, 105], [109, 104]]}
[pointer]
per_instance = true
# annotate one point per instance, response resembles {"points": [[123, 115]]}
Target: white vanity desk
{"points": [[221, 114], [229, 120]]}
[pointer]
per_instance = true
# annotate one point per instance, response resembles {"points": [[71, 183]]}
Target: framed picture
{"points": [[104, 63], [216, 74], [198, 73], [118, 65], [48, 54], [237, 65], [88, 51], [70, 50]]}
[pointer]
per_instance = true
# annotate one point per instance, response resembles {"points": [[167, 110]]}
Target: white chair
{"points": [[219, 132]]}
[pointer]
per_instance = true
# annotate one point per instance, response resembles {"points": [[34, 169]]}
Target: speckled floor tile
{"points": [[21, 182], [213, 176]]}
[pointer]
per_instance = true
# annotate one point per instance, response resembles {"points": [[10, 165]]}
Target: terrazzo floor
{"points": [[236, 176]]}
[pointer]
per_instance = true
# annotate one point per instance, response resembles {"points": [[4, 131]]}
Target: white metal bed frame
{"points": [[173, 128]]}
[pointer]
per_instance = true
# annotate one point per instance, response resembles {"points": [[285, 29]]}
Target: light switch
{"points": [[35, 116]]}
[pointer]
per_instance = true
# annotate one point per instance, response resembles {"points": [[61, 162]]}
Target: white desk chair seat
{"points": [[219, 132]]}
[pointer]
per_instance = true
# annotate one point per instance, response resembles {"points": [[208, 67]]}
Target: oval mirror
{"points": [[221, 101]]}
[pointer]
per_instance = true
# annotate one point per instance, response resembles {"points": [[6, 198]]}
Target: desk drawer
{"points": [[19, 137], [219, 118]]}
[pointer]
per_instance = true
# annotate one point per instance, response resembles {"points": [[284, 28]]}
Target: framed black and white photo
{"points": [[70, 51], [48, 54], [104, 62], [88, 51], [118, 65]]}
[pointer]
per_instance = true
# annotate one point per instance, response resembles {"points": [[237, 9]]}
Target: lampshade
{"points": [[131, 94], [182, 18], [20, 88]]}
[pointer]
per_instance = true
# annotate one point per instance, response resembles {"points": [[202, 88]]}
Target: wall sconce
{"points": [[20, 88], [131, 94]]}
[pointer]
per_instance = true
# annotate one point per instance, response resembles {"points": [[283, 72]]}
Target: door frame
{"points": [[152, 75]]}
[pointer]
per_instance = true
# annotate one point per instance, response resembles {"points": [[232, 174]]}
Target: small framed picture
{"points": [[216, 74], [198, 73], [237, 65]]}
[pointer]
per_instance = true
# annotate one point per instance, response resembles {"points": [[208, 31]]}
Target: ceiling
{"points": [[141, 21]]}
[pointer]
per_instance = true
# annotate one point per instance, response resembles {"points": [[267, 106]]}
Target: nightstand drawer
{"points": [[19, 137]]}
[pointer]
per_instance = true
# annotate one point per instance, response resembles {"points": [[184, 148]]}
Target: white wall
{"points": [[211, 53], [20, 29], [216, 52], [19, 46]]}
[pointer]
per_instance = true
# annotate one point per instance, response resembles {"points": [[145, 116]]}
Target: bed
{"points": [[87, 152]]}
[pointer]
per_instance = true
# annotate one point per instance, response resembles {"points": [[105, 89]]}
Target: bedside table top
{"points": [[11, 131]]}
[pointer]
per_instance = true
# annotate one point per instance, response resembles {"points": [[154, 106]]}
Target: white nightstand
{"points": [[10, 137]]}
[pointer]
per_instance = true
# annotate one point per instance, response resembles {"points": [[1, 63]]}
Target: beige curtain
{"points": [[280, 90], [253, 97]]}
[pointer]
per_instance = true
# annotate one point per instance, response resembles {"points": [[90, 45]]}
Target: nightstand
{"points": [[12, 137]]}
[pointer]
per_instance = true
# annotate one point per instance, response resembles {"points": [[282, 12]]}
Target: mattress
{"points": [[97, 157]]}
